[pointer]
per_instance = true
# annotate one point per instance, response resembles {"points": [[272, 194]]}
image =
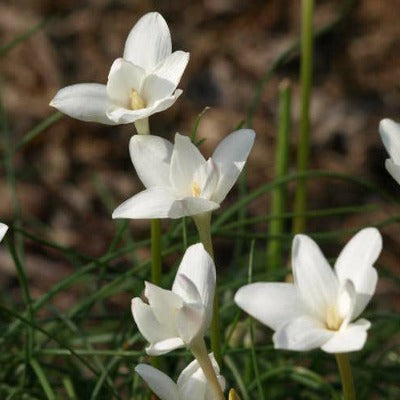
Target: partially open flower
{"points": [[179, 181], [3, 230], [318, 310], [390, 134], [178, 317], [191, 384], [141, 83]]}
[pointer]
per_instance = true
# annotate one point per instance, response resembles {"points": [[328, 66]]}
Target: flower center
{"points": [[137, 103], [333, 318], [196, 190]]}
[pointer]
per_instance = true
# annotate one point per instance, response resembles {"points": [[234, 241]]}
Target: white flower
{"points": [[390, 134], [191, 384], [140, 84], [179, 181], [178, 317], [3, 230], [318, 310]]}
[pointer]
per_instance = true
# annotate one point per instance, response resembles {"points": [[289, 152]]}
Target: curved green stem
{"points": [[343, 362], [203, 225]]}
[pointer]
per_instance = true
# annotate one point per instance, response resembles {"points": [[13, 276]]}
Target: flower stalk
{"points": [[203, 225], [199, 351], [274, 247], [142, 126], [303, 154], [346, 376]]}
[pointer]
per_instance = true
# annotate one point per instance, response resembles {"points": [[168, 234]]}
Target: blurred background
{"points": [[71, 176]]}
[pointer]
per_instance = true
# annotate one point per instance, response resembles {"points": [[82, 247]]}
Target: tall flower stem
{"points": [[343, 362], [143, 128], [303, 154], [276, 226], [203, 225], [199, 351], [156, 251]]}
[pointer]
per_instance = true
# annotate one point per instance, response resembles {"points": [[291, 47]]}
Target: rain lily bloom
{"points": [[192, 383], [141, 83], [390, 134], [179, 181], [178, 317], [322, 306], [3, 230]]}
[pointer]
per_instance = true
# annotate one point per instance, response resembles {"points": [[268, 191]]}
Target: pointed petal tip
{"points": [[387, 124]]}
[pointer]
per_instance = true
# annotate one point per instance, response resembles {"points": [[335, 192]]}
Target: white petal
{"points": [[191, 206], [350, 339], [3, 230], [190, 322], [160, 384], [151, 156], [193, 384], [390, 134], [355, 263], [301, 334], [393, 169], [155, 202], [230, 157], [164, 346], [346, 302], [165, 305], [199, 267], [149, 42], [122, 79], [187, 290], [84, 101], [147, 323], [206, 176], [155, 89], [313, 276], [173, 66], [122, 115], [273, 304], [186, 159]]}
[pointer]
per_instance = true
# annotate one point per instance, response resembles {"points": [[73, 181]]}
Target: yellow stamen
{"points": [[137, 103], [333, 318], [196, 190]]}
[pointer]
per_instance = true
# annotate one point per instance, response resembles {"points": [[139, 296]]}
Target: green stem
{"points": [[203, 224], [303, 154], [343, 362], [143, 128], [199, 351], [276, 225], [156, 251]]}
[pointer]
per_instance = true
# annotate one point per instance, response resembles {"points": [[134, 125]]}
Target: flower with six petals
{"points": [[191, 384], [141, 83], [179, 181], [319, 308], [178, 317]]}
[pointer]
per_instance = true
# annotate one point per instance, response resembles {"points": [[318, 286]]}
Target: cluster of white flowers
{"points": [[320, 309]]}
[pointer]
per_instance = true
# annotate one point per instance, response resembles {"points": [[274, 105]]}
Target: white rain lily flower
{"points": [[141, 83], [322, 306], [178, 317], [3, 230], [192, 383], [179, 181], [390, 134]]}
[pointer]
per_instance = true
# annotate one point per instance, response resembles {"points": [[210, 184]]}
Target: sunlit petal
{"points": [[84, 101], [149, 42]]}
